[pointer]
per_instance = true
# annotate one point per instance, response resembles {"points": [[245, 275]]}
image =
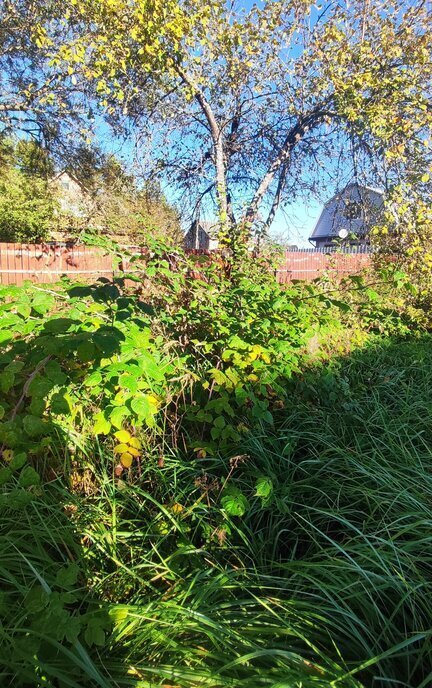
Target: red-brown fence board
{"points": [[307, 265], [43, 264], [48, 263]]}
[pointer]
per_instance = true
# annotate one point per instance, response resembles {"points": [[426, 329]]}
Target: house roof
{"points": [[332, 218], [67, 173], [210, 228]]}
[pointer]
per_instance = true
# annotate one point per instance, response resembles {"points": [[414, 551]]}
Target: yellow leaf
{"points": [[133, 451], [126, 460], [134, 442], [177, 508], [153, 400], [121, 448], [7, 454], [122, 435]]}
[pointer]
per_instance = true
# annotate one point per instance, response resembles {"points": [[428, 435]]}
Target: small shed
{"points": [[348, 216], [202, 235]]}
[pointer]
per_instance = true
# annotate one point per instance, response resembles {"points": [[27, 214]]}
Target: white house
{"points": [[71, 196], [348, 216]]}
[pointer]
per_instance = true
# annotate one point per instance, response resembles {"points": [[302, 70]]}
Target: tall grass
{"points": [[328, 584]]}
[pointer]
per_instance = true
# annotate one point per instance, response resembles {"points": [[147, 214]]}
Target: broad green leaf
{"points": [[59, 404], [234, 502], [29, 477], [102, 426], [34, 426], [94, 633], [7, 379], [40, 386], [264, 487], [87, 351], [54, 372], [58, 325], [42, 303], [117, 416], [36, 599], [67, 577], [18, 461], [5, 475]]}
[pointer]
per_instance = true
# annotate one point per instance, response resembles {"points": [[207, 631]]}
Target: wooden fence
{"points": [[48, 263], [44, 263], [308, 264]]}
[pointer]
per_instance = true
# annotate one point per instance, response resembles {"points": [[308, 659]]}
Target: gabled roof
{"points": [[71, 175], [332, 217], [207, 226], [210, 228]]}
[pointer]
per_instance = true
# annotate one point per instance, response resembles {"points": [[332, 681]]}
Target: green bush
{"points": [[26, 207], [210, 479]]}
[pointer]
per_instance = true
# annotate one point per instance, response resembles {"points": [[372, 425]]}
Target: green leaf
{"points": [[54, 372], [102, 426], [6, 335], [67, 576], [29, 477], [58, 325], [86, 351], [5, 475], [117, 416], [42, 303], [18, 461], [94, 633], [142, 407], [107, 340], [37, 406], [36, 600], [7, 379], [342, 305], [234, 502], [34, 426], [73, 629], [219, 422], [59, 404], [40, 386], [264, 487], [93, 380], [15, 366]]}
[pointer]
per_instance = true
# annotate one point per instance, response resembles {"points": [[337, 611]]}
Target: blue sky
{"points": [[296, 222]]}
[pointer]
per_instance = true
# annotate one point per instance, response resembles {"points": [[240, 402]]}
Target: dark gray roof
{"points": [[333, 217], [210, 228]]}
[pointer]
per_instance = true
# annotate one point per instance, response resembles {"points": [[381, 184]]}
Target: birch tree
{"points": [[250, 108]]}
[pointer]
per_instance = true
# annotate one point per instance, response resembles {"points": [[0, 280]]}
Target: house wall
{"points": [[190, 240], [203, 240], [198, 239], [70, 196]]}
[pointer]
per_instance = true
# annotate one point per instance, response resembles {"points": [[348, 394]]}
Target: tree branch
{"points": [[295, 134]]}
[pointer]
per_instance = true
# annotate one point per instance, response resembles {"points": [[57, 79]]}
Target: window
{"points": [[65, 184], [352, 210]]}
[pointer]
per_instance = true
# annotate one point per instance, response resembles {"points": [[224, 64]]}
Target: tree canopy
{"points": [[254, 107], [243, 109], [34, 206]]}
